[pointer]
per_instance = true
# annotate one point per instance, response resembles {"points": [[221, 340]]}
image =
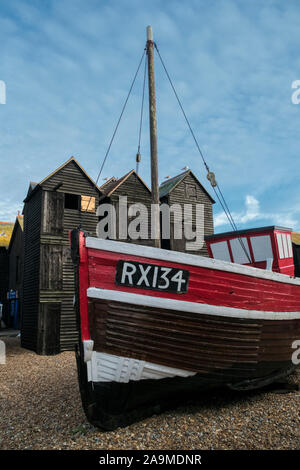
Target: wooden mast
{"points": [[155, 233]]}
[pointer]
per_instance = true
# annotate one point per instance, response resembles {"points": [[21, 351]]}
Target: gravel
{"points": [[40, 408]]}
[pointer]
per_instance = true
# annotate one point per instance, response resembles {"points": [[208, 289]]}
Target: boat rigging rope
{"points": [[119, 120], [138, 155], [210, 175]]}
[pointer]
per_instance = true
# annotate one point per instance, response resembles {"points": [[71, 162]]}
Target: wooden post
{"points": [[153, 141]]}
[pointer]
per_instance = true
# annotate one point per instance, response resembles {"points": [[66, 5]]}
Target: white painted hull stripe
{"points": [[103, 367], [184, 306], [184, 258]]}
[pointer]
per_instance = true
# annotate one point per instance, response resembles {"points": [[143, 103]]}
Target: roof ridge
{"points": [[173, 177]]}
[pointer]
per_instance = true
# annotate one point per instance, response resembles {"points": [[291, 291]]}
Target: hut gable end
{"points": [[70, 178], [187, 189], [135, 190]]}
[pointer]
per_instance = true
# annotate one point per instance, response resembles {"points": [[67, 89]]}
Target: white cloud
{"points": [[252, 212], [9, 210], [68, 66]]}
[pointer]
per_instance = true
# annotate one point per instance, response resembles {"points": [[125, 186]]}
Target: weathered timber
{"points": [[52, 208]]}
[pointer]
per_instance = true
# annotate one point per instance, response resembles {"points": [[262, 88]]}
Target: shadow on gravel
{"points": [[223, 397]]}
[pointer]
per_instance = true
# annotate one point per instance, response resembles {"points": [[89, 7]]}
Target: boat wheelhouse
{"points": [[267, 248]]}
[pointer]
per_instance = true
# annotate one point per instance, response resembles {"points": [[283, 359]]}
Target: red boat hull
{"points": [[235, 326]]}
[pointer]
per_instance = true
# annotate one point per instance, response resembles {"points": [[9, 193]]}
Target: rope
{"points": [[119, 120], [220, 199]]}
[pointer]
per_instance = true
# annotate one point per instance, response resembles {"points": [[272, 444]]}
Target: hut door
{"points": [[49, 328], [53, 213]]}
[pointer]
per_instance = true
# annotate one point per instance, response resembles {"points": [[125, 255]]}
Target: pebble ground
{"points": [[40, 408]]}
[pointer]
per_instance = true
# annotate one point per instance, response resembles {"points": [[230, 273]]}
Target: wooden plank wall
{"points": [[179, 196], [32, 224], [136, 192], [4, 264], [57, 221], [16, 257]]}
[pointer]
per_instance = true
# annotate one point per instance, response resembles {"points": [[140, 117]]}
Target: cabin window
{"points": [[220, 251], [190, 191], [72, 201], [284, 245], [262, 248], [88, 203], [238, 251]]}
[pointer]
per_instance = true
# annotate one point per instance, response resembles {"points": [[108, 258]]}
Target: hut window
{"points": [[72, 201], [190, 191], [88, 203]]}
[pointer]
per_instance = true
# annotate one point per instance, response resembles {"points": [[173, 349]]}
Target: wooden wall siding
{"points": [[49, 271], [181, 194], [73, 179], [32, 224], [136, 192], [296, 254], [4, 266], [73, 218], [51, 267], [69, 331], [16, 256], [49, 328]]}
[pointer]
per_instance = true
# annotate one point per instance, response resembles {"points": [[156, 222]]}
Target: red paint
{"points": [[206, 285], [284, 265], [83, 286]]}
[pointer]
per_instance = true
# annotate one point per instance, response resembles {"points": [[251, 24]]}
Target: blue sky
{"points": [[68, 64]]}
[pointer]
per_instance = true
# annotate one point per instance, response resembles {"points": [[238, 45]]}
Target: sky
{"points": [[67, 66]]}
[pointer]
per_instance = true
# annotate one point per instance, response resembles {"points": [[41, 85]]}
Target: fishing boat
{"points": [[157, 325]]}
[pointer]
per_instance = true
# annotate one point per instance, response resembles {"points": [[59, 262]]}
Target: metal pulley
{"points": [[211, 178], [138, 159]]}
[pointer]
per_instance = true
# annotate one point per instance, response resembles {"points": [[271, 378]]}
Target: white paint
{"points": [[220, 251], [269, 264], [285, 246], [187, 259], [280, 245], [105, 367], [284, 243], [149, 33], [289, 243], [184, 306], [238, 253], [2, 353], [88, 346], [261, 247]]}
